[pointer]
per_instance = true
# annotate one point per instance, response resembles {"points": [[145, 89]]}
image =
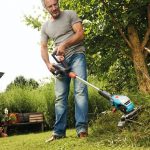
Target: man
{"points": [[66, 30]]}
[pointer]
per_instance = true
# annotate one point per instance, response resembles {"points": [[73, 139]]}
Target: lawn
{"points": [[36, 141]]}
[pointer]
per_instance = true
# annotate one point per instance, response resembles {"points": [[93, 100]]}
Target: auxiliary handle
{"points": [[63, 62], [61, 66]]}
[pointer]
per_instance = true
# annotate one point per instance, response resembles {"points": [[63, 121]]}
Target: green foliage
{"points": [[104, 45], [36, 19], [42, 99], [34, 22], [48, 101], [21, 82], [119, 82], [103, 127], [18, 100], [97, 103]]}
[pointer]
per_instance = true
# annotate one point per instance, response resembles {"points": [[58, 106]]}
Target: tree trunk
{"points": [[140, 66]]}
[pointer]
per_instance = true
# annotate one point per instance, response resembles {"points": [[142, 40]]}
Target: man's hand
{"points": [[60, 58], [61, 50], [51, 67]]}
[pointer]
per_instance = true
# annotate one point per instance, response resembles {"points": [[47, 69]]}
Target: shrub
{"points": [[42, 99]]}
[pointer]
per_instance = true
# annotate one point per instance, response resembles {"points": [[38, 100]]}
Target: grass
{"points": [[36, 141], [103, 135]]}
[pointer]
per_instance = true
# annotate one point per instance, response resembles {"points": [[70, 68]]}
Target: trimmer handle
{"points": [[63, 62], [61, 66]]}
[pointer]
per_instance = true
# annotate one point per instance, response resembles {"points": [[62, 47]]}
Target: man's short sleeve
{"points": [[44, 36], [74, 17]]}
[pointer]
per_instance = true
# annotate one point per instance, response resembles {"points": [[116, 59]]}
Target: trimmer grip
{"points": [[60, 69], [105, 94]]}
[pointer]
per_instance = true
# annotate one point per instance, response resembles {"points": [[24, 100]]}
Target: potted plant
{"points": [[12, 118], [4, 118]]}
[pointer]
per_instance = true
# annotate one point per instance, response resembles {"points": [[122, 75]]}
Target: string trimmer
{"points": [[120, 102]]}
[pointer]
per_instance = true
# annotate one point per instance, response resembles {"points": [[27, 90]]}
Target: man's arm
{"points": [[76, 38], [45, 56]]}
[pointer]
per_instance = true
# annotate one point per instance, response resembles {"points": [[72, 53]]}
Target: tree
{"points": [[20, 81], [136, 42], [132, 20], [117, 32]]}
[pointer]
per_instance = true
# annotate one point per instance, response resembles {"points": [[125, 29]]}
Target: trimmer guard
{"points": [[129, 117]]}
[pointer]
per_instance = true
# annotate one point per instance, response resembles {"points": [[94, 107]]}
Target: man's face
{"points": [[53, 8]]}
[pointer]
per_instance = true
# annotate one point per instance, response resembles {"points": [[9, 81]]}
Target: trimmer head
{"points": [[129, 117]]}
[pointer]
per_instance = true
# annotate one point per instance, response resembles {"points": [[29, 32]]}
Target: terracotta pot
{"points": [[3, 134], [13, 118]]}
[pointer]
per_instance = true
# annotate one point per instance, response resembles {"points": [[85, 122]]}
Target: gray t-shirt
{"points": [[60, 30]]}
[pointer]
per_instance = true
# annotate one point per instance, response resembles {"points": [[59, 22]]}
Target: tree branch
{"points": [[118, 26], [147, 34]]}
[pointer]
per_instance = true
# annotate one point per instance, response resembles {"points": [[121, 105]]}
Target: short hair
{"points": [[43, 3]]}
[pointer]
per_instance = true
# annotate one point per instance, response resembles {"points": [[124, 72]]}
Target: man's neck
{"points": [[52, 18]]}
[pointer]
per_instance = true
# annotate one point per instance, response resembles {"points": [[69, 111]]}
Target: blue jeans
{"points": [[77, 63]]}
